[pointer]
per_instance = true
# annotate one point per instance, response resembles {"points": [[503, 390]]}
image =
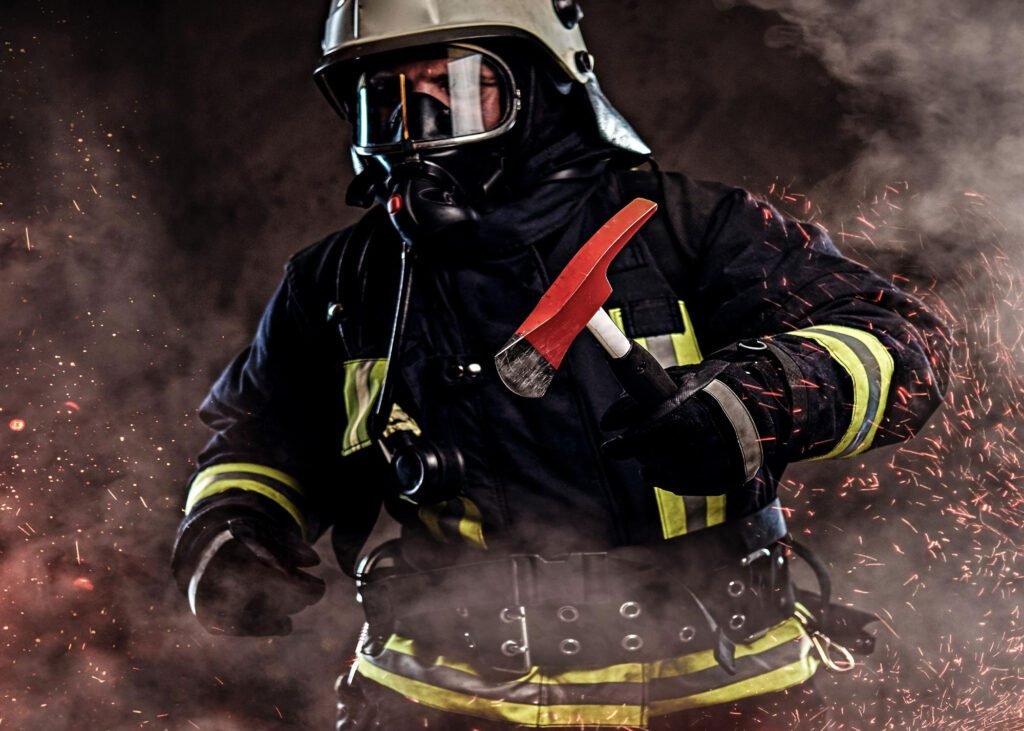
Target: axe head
{"points": [[528, 361]]}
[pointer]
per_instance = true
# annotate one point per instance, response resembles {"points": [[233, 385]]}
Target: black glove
{"points": [[731, 415], [242, 574]]}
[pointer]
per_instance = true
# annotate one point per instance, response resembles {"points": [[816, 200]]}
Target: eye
{"points": [[488, 77], [440, 81]]}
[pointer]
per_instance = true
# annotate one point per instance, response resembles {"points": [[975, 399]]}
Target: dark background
{"points": [[158, 163]]}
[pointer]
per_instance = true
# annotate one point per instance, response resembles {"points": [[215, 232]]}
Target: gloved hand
{"points": [[242, 575], [729, 416]]}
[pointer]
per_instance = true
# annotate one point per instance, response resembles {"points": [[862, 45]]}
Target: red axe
{"points": [[528, 361]]}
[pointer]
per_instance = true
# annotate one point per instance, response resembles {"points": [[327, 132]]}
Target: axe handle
{"points": [[635, 368]]}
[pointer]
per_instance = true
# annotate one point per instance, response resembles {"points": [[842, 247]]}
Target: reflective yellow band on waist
{"points": [[772, 681], [622, 694], [870, 367], [266, 481]]}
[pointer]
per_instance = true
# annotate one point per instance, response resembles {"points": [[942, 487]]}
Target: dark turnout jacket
{"points": [[715, 266]]}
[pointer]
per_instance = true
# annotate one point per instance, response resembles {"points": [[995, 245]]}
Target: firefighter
{"points": [[572, 561]]}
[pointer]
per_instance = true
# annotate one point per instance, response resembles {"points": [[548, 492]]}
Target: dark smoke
{"points": [[159, 161]]}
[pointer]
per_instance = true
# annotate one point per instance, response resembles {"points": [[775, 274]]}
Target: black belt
{"points": [[510, 586], [526, 579]]}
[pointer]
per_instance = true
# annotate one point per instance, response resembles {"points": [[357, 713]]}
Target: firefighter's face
{"points": [[438, 96], [431, 77]]}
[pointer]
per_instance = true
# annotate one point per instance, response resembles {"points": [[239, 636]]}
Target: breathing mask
{"points": [[427, 124]]}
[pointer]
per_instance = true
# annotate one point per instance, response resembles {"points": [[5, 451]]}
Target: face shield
{"points": [[435, 97]]}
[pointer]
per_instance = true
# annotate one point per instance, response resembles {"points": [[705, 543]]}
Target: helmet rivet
{"points": [[584, 62], [569, 12]]}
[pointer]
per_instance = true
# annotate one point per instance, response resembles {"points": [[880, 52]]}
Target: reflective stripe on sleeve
{"points": [[272, 484], [204, 560], [743, 425], [623, 694], [870, 367]]}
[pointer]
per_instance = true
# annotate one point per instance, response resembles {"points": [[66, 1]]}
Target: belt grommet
{"points": [[735, 588], [511, 648], [687, 633], [737, 620], [569, 646], [630, 610], [508, 615], [632, 643], [568, 613]]}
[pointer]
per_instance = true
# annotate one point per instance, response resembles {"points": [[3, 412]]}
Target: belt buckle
{"points": [[517, 647]]}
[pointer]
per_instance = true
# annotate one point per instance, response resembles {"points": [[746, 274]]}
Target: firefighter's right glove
{"points": [[712, 436], [242, 575]]}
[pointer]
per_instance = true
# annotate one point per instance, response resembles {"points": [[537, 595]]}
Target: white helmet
{"points": [[360, 29]]}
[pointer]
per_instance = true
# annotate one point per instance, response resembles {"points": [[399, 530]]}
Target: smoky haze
{"points": [[949, 78], [159, 162]]}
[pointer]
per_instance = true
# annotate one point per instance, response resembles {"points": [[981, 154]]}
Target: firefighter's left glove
{"points": [[727, 419], [243, 575]]}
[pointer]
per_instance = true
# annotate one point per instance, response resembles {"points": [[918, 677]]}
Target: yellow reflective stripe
{"points": [[615, 314], [672, 510], [523, 713], [770, 682], [430, 516], [473, 700], [844, 355], [685, 343], [870, 372], [682, 514], [716, 510], [363, 380], [788, 630], [210, 473], [471, 523], [400, 421], [229, 483], [886, 366]]}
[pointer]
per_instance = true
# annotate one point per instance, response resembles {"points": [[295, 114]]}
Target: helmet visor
{"points": [[440, 96]]}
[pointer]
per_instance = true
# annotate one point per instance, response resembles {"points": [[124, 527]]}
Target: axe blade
{"points": [[527, 363]]}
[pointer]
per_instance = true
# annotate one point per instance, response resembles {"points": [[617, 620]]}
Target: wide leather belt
{"points": [[627, 604]]}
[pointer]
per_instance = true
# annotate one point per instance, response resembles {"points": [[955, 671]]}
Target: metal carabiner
{"points": [[824, 645]]}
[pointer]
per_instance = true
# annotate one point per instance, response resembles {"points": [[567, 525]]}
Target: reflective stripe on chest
{"points": [[679, 514]]}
